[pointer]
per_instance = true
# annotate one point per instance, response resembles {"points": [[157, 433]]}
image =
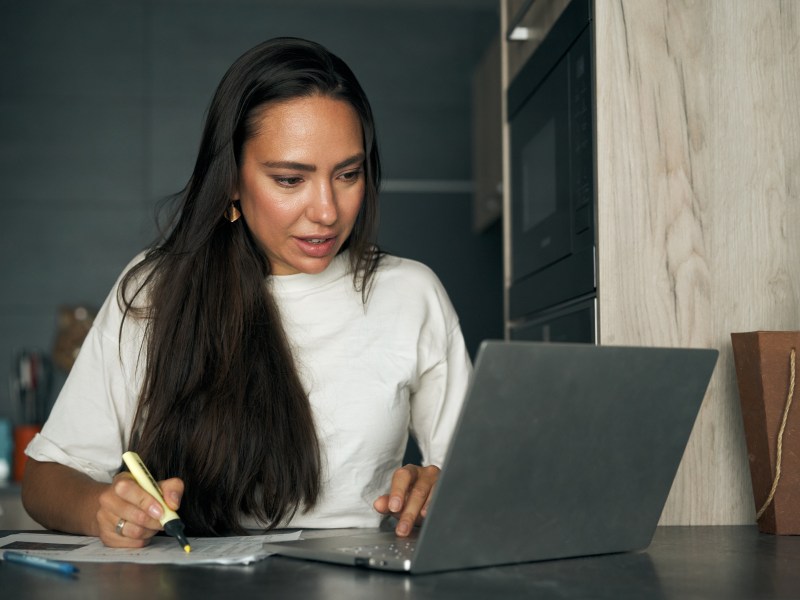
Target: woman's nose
{"points": [[322, 207]]}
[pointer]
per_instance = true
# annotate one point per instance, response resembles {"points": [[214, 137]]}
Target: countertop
{"points": [[719, 562]]}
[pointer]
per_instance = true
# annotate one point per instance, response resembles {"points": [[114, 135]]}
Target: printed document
{"points": [[238, 550]]}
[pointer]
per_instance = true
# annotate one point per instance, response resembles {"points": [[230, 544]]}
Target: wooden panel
{"points": [[698, 137]]}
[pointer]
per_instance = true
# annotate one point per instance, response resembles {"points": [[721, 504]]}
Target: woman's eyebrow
{"points": [[356, 158], [298, 166], [288, 164]]}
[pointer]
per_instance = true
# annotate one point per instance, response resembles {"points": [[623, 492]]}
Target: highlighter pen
{"points": [[170, 519], [39, 562]]}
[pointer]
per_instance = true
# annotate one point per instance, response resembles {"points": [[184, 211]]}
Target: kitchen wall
{"points": [[101, 106]]}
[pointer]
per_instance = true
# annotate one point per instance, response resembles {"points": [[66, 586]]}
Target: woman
{"points": [[265, 359]]}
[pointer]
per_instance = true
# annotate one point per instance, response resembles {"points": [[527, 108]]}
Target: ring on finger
{"points": [[120, 525]]}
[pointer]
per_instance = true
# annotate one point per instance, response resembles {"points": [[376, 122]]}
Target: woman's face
{"points": [[301, 181]]}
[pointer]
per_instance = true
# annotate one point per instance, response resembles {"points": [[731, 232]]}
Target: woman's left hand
{"points": [[408, 499]]}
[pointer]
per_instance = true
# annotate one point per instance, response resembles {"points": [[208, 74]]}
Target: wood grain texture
{"points": [[698, 178]]}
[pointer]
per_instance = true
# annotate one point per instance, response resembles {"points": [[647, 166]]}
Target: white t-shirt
{"points": [[372, 371]]}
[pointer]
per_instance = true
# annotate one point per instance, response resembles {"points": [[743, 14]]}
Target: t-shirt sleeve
{"points": [[437, 397], [89, 425]]}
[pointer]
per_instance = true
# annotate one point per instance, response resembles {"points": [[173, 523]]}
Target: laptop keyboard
{"points": [[398, 550]]}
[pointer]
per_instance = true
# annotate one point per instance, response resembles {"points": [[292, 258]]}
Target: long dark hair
{"points": [[221, 404]]}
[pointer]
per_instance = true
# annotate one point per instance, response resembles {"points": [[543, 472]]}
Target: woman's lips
{"points": [[316, 247]]}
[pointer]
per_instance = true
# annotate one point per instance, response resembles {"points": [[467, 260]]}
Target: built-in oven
{"points": [[552, 173]]}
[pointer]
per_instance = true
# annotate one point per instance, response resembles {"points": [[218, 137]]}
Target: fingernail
{"points": [[176, 499], [395, 505], [154, 511], [402, 528]]}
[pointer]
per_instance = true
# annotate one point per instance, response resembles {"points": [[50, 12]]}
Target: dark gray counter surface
{"points": [[709, 563]]}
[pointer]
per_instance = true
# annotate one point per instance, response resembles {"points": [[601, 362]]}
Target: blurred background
{"points": [[101, 109]]}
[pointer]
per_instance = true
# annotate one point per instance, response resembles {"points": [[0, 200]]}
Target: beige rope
{"points": [[780, 439]]}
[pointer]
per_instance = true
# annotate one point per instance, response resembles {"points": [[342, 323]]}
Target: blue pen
{"points": [[40, 563]]}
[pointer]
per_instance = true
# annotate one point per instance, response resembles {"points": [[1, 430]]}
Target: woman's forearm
{"points": [[61, 498]]}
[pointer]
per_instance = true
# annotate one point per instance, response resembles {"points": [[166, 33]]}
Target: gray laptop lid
{"points": [[561, 450]]}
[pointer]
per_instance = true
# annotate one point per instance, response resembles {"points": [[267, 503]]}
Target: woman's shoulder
{"points": [[398, 267], [135, 274], [130, 280], [410, 294], [407, 279]]}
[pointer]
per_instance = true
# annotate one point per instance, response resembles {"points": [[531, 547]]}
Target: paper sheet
{"points": [[238, 550]]}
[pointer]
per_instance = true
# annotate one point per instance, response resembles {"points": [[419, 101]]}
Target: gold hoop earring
{"points": [[232, 213]]}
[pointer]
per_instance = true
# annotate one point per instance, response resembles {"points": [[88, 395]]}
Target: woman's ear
{"points": [[233, 192]]}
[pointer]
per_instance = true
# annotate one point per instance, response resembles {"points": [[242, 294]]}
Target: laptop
{"points": [[561, 450]]}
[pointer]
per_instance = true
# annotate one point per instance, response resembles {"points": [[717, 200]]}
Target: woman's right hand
{"points": [[128, 516]]}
